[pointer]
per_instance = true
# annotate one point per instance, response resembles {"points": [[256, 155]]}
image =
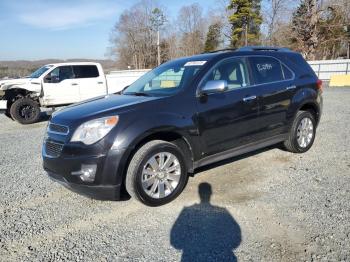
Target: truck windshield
{"points": [[40, 71], [167, 79]]}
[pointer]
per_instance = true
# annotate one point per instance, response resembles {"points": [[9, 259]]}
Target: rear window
{"points": [[85, 71], [267, 70]]}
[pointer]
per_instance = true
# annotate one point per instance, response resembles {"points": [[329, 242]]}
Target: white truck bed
{"points": [[117, 80]]}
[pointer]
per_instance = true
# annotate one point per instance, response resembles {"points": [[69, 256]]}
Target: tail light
{"points": [[319, 84]]}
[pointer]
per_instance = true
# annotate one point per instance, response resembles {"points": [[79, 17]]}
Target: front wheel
{"points": [[156, 174], [25, 111], [302, 133]]}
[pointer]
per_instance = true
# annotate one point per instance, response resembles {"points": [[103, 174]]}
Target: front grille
{"points": [[53, 149], [59, 129]]}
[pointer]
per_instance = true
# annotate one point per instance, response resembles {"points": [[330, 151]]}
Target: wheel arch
{"points": [[16, 93], [170, 136], [306, 99], [312, 108]]}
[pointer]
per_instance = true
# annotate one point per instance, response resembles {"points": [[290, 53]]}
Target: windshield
{"points": [[166, 79], [40, 71]]}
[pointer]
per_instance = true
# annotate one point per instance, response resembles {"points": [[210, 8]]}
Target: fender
{"points": [[304, 96], [160, 125], [26, 84]]}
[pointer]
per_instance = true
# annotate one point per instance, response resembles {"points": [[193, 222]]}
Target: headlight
{"points": [[92, 131]]}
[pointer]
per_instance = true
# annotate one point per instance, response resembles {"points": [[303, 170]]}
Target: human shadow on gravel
{"points": [[205, 232]]}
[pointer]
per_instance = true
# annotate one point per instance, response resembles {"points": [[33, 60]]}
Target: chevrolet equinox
{"points": [[182, 115]]}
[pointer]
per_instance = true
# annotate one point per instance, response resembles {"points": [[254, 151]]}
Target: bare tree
{"points": [[192, 29], [134, 37], [276, 15]]}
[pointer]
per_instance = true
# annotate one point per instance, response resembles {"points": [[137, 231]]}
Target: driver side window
{"points": [[233, 70], [59, 74]]}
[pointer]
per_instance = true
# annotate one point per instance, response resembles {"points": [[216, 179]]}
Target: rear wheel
{"points": [[302, 133], [156, 174], [25, 111]]}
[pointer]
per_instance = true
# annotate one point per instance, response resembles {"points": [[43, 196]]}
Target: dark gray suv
{"points": [[182, 115]]}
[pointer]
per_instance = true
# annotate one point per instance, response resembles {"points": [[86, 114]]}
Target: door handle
{"points": [[100, 83], [291, 87], [74, 84], [249, 98]]}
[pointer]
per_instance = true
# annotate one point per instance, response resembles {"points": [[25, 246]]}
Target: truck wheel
{"points": [[302, 134], [7, 113], [156, 174], [25, 111]]}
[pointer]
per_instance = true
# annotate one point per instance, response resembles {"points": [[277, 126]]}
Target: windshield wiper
{"points": [[137, 94]]}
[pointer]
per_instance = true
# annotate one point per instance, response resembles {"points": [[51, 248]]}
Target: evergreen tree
{"points": [[245, 22], [213, 37], [304, 26]]}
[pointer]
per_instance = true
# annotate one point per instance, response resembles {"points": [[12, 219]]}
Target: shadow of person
{"points": [[205, 232]]}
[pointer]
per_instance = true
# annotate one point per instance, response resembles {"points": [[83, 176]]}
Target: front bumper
{"points": [[107, 182], [102, 192]]}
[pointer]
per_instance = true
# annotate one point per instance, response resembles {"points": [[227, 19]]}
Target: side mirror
{"points": [[214, 86], [48, 79], [51, 79]]}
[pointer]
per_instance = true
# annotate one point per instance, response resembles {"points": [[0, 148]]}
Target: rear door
{"points": [[274, 86], [91, 83], [227, 120], [60, 87]]}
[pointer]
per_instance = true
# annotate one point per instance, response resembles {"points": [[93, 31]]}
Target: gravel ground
{"points": [[270, 205]]}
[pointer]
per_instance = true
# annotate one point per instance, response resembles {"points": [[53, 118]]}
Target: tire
{"points": [[25, 111], [8, 114], [142, 168], [304, 121]]}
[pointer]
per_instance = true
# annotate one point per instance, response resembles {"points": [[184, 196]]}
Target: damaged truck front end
{"points": [[19, 100]]}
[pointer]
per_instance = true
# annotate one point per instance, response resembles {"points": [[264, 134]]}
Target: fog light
{"points": [[87, 173]]}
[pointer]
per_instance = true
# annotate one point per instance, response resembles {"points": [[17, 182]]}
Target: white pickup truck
{"points": [[57, 85]]}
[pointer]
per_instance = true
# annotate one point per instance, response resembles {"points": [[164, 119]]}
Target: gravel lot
{"points": [[267, 206]]}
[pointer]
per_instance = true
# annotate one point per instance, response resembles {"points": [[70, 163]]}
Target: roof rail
{"points": [[221, 50], [263, 48]]}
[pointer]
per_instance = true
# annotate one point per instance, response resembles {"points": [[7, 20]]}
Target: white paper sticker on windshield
{"points": [[195, 63]]}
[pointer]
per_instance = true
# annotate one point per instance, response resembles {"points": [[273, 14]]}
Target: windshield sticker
{"points": [[195, 63], [264, 67]]}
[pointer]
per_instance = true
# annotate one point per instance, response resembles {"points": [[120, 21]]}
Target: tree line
{"points": [[145, 35]]}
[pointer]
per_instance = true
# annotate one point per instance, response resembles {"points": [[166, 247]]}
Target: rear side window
{"points": [[85, 71], [268, 69], [286, 72]]}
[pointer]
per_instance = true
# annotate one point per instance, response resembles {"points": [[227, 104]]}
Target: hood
{"points": [[97, 107], [5, 84]]}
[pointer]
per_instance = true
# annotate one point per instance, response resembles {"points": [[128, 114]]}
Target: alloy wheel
{"points": [[305, 132], [161, 175]]}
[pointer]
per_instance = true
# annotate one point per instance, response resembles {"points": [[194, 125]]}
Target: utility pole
{"points": [[158, 19], [158, 45]]}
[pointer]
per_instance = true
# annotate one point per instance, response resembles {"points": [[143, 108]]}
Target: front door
{"points": [[227, 120], [60, 87]]}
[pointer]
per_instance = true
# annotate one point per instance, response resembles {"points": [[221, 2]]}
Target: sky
{"points": [[64, 29]]}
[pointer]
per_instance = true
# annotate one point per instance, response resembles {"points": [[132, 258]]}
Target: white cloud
{"points": [[61, 15]]}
